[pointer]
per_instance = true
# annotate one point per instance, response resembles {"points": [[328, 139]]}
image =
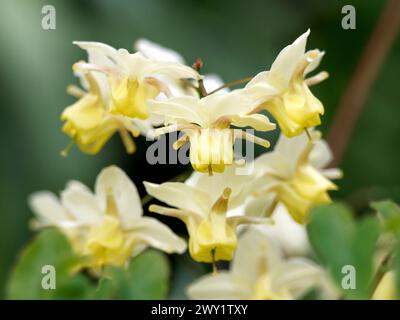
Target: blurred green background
{"points": [[235, 38]]}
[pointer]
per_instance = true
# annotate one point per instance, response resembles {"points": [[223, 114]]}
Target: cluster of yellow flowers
{"points": [[152, 92]]}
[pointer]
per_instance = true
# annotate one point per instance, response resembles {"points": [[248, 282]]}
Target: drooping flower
{"points": [[107, 227], [118, 86], [202, 204], [284, 92], [90, 124], [293, 174], [259, 271], [206, 124]]}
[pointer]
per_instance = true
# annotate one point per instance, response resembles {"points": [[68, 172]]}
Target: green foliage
{"points": [[389, 211], [146, 277], [390, 214], [338, 241], [48, 248]]}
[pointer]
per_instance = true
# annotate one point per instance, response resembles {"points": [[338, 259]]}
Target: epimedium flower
{"points": [[206, 124], [202, 204], [106, 227], [284, 92], [118, 86], [259, 271], [90, 124], [293, 174], [155, 51]]}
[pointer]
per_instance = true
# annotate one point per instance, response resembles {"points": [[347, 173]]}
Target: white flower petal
{"points": [[332, 173], [215, 185], [213, 81], [222, 286], [254, 253], [261, 206], [297, 275], [227, 105], [181, 196], [47, 207], [100, 52], [257, 121], [152, 232], [321, 154], [287, 60], [172, 70], [155, 51], [180, 108], [113, 182], [291, 236], [82, 205]]}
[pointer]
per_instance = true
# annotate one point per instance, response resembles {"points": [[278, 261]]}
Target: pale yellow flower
{"points": [[155, 51], [259, 271], [293, 174], [386, 289], [202, 204], [107, 227], [90, 124], [284, 92], [206, 124], [118, 85]]}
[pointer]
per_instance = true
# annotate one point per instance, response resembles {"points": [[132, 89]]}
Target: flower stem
{"points": [[214, 263], [202, 89], [231, 84], [380, 272], [308, 134], [67, 149], [353, 99]]}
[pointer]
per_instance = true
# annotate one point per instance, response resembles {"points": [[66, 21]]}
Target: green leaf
{"points": [[330, 232], [363, 248], [390, 213], [396, 267], [339, 241], [147, 277], [48, 248]]}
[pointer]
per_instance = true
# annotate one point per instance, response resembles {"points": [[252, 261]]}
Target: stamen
{"points": [[127, 141], [180, 142], [75, 91], [64, 153], [323, 75], [231, 84], [252, 138]]}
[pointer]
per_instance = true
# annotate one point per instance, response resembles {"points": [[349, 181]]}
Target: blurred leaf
{"points": [[186, 270], [330, 229], [364, 244], [397, 268], [390, 213], [48, 248], [339, 241], [147, 277]]}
